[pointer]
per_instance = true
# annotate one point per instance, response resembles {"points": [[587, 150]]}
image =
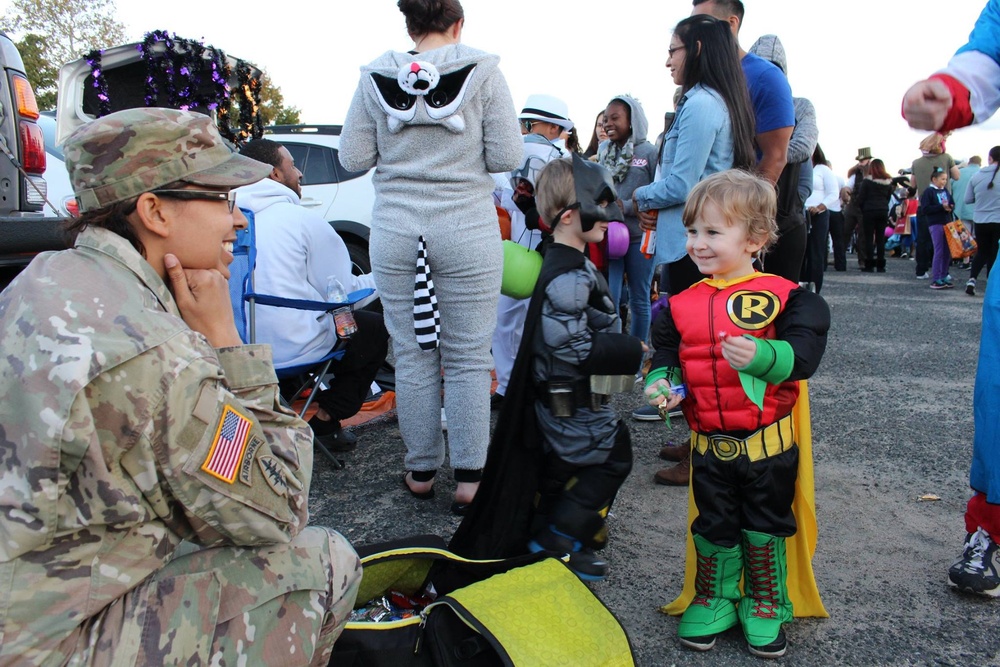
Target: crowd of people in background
{"points": [[906, 215]]}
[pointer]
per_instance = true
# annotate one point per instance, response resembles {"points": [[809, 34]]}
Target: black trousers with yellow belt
{"points": [[740, 494]]}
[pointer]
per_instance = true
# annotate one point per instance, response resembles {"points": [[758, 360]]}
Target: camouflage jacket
{"points": [[122, 433]]}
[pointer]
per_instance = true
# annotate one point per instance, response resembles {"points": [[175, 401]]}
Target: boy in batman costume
{"points": [[559, 453]]}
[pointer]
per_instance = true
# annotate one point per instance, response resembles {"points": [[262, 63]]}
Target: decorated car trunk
{"points": [[163, 70]]}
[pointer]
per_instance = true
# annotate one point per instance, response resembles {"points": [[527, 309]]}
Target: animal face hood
{"points": [[428, 88]]}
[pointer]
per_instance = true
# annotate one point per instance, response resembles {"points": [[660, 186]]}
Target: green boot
{"points": [[766, 606], [717, 589]]}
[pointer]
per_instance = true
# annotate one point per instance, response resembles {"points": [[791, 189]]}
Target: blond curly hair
{"points": [[743, 198]]}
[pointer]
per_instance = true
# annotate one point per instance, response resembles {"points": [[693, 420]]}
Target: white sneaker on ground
{"points": [[978, 570]]}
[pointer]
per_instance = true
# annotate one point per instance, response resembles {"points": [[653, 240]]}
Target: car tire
{"points": [[358, 251], [359, 257]]}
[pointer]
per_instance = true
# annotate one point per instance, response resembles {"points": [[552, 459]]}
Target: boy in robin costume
{"points": [[739, 341]]}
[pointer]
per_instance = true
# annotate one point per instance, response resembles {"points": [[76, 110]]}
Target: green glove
{"points": [[771, 364]]}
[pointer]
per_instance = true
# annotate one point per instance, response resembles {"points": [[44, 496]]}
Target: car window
{"points": [[315, 162]]}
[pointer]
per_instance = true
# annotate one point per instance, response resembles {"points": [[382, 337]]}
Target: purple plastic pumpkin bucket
{"points": [[617, 240]]}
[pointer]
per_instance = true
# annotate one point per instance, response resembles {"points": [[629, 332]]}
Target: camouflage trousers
{"points": [[283, 604]]}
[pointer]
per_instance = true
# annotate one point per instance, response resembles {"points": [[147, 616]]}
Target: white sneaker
{"points": [[978, 570], [925, 276]]}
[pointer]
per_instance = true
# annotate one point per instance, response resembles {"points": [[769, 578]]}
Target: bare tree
{"points": [[70, 28]]}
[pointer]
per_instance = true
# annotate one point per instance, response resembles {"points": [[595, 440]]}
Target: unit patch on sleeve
{"points": [[278, 477], [752, 311], [228, 447]]}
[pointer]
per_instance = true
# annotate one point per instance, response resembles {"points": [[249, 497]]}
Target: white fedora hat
{"points": [[546, 108]]}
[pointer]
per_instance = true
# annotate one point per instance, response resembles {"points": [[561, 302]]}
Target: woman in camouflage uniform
{"points": [[153, 491]]}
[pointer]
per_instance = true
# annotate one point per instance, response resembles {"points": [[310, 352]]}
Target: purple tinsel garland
{"points": [[177, 76], [93, 59]]}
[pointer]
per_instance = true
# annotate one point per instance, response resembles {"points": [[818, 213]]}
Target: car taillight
{"points": [[72, 207], [26, 104], [32, 148]]}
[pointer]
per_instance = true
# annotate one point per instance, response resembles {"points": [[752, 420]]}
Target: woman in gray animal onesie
{"points": [[435, 122]]}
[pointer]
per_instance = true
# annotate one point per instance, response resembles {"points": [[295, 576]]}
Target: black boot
{"points": [[582, 561], [332, 436]]}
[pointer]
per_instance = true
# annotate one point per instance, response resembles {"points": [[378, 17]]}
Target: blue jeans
{"points": [[640, 275]]}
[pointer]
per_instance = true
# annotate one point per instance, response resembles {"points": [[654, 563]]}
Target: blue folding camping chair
{"points": [[244, 299]]}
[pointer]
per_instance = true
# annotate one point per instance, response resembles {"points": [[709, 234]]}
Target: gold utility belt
{"points": [[769, 441]]}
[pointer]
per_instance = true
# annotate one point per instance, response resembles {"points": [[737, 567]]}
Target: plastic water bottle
{"points": [[343, 318]]}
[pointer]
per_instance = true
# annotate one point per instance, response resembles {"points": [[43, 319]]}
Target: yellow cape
{"points": [[800, 547]]}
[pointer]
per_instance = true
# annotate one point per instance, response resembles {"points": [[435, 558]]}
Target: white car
{"points": [[344, 198]]}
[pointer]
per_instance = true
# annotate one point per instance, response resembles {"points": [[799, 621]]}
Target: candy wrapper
{"points": [[393, 606], [648, 244]]}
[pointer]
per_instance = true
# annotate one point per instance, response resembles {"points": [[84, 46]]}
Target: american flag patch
{"points": [[227, 449]]}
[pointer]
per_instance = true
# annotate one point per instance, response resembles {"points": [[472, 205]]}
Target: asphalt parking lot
{"points": [[892, 421]]}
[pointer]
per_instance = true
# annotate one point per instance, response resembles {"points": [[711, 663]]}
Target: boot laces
{"points": [[763, 580], [707, 567]]}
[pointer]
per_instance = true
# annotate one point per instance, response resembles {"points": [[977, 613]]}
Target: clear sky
{"points": [[853, 58]]}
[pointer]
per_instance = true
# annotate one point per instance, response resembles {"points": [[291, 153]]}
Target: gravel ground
{"points": [[892, 421]]}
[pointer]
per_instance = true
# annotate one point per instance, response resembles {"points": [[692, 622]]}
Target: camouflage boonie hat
{"points": [[129, 152]]}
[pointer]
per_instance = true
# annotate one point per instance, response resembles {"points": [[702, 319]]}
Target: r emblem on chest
{"points": [[752, 310]]}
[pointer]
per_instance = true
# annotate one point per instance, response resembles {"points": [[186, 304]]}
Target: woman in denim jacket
{"points": [[713, 131]]}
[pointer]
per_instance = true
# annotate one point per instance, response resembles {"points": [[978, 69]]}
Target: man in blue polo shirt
{"points": [[774, 115], [769, 92]]}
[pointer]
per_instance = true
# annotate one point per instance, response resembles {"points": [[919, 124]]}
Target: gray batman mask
{"points": [[595, 193]]}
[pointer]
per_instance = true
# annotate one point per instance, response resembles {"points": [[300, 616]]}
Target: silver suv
{"points": [[344, 198]]}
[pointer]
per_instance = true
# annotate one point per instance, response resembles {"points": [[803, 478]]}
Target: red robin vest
{"points": [[716, 400]]}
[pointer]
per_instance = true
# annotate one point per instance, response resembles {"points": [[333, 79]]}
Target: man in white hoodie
{"points": [[297, 252]]}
